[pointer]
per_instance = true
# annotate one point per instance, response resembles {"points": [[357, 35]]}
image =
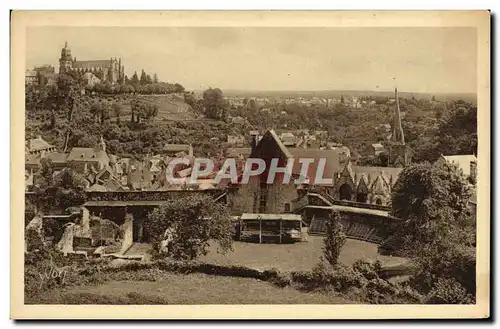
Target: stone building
{"points": [[107, 70], [349, 183]]}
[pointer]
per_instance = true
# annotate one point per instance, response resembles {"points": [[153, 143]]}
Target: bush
{"points": [[370, 270], [449, 291], [339, 278]]}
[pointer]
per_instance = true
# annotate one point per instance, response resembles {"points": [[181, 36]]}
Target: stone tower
{"points": [[66, 61], [399, 152]]}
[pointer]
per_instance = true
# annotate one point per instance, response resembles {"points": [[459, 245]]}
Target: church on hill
{"points": [[106, 70]]}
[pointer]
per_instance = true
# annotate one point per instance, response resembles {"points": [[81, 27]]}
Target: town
{"points": [[113, 176]]}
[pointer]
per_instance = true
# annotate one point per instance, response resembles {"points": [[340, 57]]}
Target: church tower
{"points": [[399, 152], [66, 61]]}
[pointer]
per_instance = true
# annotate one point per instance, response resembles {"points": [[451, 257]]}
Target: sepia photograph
{"points": [[290, 161]]}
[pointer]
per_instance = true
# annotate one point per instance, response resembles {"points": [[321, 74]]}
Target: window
{"points": [[378, 202], [263, 198], [362, 197], [287, 207], [345, 192]]}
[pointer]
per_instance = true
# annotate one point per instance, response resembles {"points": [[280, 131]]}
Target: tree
{"points": [[436, 229], [96, 109], [65, 190], [143, 80], [155, 78], [135, 78], [431, 201], [104, 112], [192, 222], [335, 238], [148, 79], [341, 99], [117, 110], [456, 132], [213, 101]]}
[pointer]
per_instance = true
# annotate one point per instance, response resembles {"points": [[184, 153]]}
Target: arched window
{"points": [[378, 202], [361, 197], [345, 192]]}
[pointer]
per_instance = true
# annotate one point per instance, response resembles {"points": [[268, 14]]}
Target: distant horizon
{"points": [[337, 90]]}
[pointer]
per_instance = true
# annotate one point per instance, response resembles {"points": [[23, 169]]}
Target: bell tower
{"points": [[399, 152], [66, 61]]}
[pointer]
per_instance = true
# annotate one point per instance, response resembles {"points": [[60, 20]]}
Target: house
{"points": [[81, 159], [32, 163], [239, 121], [376, 149], [174, 150], [347, 182], [321, 133], [139, 177], [236, 140], [288, 139], [39, 145], [238, 152], [31, 77], [58, 160], [90, 79]]}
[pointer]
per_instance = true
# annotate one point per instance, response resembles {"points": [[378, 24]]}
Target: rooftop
{"points": [[292, 217], [37, 144]]}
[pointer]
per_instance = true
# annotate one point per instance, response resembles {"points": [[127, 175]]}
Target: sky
{"points": [[422, 59]]}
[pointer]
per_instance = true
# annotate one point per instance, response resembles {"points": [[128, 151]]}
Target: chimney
{"points": [[473, 171]]}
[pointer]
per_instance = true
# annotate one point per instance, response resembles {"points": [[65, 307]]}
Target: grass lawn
{"points": [[294, 257], [188, 289]]}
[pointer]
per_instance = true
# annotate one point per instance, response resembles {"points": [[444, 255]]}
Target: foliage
{"points": [[192, 221], [437, 229], [29, 211], [454, 133], [215, 105], [445, 262], [65, 190], [449, 291], [335, 238], [432, 202], [370, 270]]}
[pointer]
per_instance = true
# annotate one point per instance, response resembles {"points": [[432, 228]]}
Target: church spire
{"points": [[398, 135]]}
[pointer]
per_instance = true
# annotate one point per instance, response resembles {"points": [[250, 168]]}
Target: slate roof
{"points": [[332, 162], [87, 154], [37, 144], [91, 64], [239, 120], [32, 160], [57, 157]]}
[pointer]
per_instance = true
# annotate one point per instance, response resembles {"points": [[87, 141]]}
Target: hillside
{"points": [[171, 106]]}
